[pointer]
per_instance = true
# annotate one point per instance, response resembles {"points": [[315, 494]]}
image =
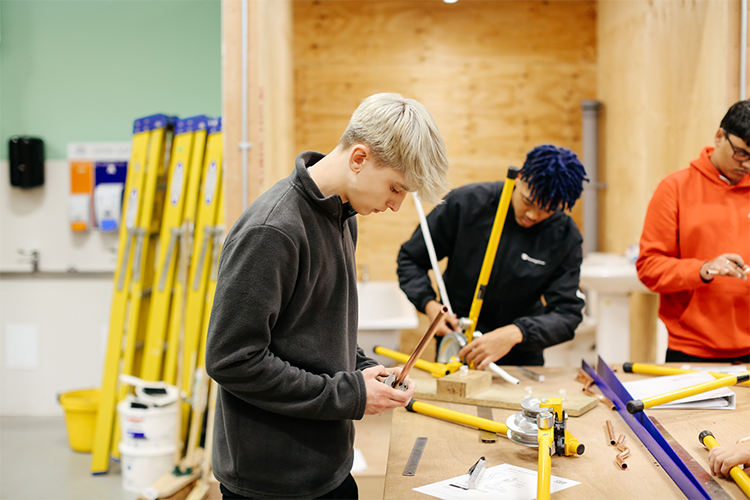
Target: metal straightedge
{"points": [[646, 431]]}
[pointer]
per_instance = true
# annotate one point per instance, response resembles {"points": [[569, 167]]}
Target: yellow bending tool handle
{"points": [[489, 256], [435, 369], [739, 476], [544, 466], [484, 424], [668, 370], [637, 405]]}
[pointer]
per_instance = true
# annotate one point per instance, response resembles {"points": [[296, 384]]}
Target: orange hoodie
{"points": [[695, 216]]}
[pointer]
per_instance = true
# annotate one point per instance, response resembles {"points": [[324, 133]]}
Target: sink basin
{"points": [[383, 306], [610, 274], [384, 311], [609, 279]]}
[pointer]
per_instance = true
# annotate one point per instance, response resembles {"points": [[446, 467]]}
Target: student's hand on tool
{"points": [[726, 264], [381, 397], [432, 309], [491, 346], [721, 459]]}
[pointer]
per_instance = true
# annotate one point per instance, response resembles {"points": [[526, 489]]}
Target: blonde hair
{"points": [[402, 134]]}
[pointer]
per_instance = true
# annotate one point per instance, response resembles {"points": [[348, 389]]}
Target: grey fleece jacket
{"points": [[282, 344]]}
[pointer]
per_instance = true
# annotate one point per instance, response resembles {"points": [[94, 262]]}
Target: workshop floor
{"points": [[36, 462]]}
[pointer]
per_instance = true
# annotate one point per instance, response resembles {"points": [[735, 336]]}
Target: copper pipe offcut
{"points": [[610, 433], [624, 452], [620, 458], [584, 378], [601, 398], [420, 347]]}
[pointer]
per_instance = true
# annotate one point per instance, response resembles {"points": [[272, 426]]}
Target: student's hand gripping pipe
{"points": [[439, 277], [740, 476], [668, 370], [398, 382], [637, 405], [545, 421]]}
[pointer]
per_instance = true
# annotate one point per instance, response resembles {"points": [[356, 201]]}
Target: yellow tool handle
{"points": [[739, 476], [435, 369], [458, 417], [489, 256], [544, 467], [638, 405], [668, 370]]}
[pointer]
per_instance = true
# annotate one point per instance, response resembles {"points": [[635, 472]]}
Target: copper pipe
{"points": [[601, 398], [420, 347], [610, 433], [584, 377], [620, 439], [620, 458]]}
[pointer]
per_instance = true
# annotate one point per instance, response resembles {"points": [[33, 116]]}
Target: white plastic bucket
{"points": [[141, 467], [147, 426]]}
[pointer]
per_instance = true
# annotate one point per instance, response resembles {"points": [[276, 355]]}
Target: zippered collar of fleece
{"points": [[331, 205]]}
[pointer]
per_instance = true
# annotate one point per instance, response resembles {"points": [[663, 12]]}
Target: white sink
{"points": [[384, 311], [609, 279], [609, 273]]}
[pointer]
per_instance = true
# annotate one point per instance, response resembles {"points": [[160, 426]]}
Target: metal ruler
{"points": [[416, 455], [642, 426], [714, 489], [486, 436]]}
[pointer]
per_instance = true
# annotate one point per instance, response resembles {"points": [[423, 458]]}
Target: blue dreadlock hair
{"points": [[555, 177]]}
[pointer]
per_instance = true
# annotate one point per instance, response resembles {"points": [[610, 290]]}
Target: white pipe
{"points": [[431, 251], [244, 144], [743, 51], [441, 284]]}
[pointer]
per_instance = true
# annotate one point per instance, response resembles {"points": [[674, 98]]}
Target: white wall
{"points": [[56, 329], [52, 327], [37, 219]]}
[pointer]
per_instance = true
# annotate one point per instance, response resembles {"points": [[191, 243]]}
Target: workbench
{"points": [[452, 448]]}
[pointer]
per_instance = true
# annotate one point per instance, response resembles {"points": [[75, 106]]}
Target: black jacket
{"points": [[541, 261]]}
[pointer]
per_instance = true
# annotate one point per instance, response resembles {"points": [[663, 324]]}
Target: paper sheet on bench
{"points": [[717, 399], [504, 481]]}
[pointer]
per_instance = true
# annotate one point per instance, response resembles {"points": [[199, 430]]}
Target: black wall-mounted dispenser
{"points": [[26, 158]]}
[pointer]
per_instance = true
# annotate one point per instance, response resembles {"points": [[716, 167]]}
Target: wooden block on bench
{"points": [[464, 385]]}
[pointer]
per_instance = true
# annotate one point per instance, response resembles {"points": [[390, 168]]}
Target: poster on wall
{"points": [[97, 181]]}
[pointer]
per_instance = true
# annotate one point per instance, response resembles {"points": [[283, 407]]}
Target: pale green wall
{"points": [[83, 70]]}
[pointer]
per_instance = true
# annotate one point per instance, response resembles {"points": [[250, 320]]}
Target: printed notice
{"points": [[499, 482]]}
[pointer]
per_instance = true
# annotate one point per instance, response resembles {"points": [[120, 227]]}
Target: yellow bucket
{"points": [[80, 417]]}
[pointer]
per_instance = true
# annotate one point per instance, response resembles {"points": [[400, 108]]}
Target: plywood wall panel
{"points": [[270, 105], [499, 77], [663, 81]]}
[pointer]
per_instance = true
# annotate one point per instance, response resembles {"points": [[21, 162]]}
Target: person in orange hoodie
{"points": [[695, 247]]}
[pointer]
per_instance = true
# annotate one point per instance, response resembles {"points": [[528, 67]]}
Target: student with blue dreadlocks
{"points": [[532, 300]]}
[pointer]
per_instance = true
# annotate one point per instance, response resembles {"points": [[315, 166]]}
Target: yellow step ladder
{"points": [[208, 209], [132, 273], [176, 325], [189, 139]]}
